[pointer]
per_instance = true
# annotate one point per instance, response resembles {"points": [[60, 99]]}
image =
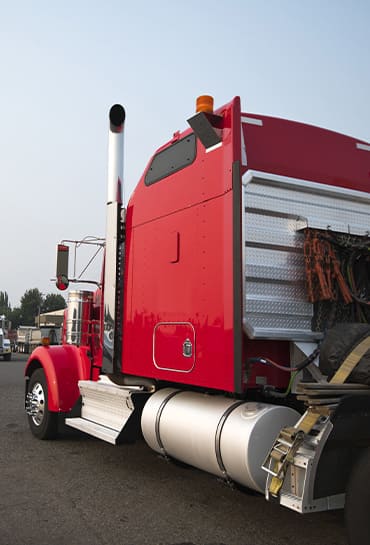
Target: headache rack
{"points": [[277, 211]]}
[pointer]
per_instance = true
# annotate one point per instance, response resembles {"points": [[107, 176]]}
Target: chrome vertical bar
{"points": [[113, 244]]}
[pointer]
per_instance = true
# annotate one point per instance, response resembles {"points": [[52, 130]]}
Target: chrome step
{"points": [[91, 428], [107, 409]]}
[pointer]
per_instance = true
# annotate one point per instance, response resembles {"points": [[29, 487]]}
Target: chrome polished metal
{"points": [[35, 404], [187, 349], [252, 120], [232, 438], [364, 147], [110, 280], [78, 317], [114, 243], [30, 404], [106, 408]]}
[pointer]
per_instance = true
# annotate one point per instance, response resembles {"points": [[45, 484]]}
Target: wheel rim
{"points": [[38, 402]]}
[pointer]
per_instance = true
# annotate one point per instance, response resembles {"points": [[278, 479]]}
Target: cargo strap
{"points": [[290, 439], [351, 361], [285, 448]]}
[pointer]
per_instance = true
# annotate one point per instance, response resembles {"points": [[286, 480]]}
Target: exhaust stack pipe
{"points": [[115, 153], [113, 267]]}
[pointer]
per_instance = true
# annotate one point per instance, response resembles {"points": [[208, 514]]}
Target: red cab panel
{"points": [[180, 310], [298, 150]]}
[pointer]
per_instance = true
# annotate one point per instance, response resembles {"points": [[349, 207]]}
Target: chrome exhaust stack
{"points": [[113, 265]]}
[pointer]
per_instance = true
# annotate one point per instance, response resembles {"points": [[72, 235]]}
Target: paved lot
{"points": [[80, 491]]}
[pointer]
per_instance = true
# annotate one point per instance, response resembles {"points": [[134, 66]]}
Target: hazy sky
{"points": [[63, 64]]}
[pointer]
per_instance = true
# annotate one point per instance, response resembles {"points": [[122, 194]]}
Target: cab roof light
{"points": [[204, 103], [205, 124]]}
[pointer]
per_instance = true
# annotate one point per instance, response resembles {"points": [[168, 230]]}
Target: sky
{"points": [[63, 64]]}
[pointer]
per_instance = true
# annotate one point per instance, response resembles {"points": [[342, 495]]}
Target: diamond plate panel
{"points": [[276, 210]]}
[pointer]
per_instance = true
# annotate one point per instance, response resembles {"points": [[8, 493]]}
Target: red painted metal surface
{"points": [[179, 266], [303, 151], [63, 366]]}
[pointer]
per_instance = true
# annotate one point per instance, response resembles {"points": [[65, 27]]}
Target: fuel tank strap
{"points": [[218, 434], [158, 420]]}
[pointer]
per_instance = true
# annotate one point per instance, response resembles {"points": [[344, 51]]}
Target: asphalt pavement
{"points": [[78, 490]]}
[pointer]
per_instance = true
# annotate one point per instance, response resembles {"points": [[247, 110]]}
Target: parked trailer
{"points": [[231, 327], [28, 338], [5, 344], [51, 334]]}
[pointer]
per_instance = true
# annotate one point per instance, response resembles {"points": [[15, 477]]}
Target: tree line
{"points": [[32, 303]]}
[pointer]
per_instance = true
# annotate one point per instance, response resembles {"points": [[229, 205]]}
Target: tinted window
{"points": [[181, 154]]}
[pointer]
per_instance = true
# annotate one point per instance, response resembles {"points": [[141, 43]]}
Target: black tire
{"points": [[7, 357], [358, 501], [43, 423]]}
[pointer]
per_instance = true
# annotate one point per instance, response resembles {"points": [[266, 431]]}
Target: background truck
{"points": [[28, 338], [231, 325], [5, 345], [52, 333]]}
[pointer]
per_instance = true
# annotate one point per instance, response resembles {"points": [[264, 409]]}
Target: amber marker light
{"points": [[204, 104], [45, 341]]}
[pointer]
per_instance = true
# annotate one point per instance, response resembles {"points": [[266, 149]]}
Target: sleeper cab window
{"points": [[172, 159]]}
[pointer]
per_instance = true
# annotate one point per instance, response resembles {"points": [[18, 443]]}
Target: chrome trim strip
{"points": [[243, 147], [212, 148], [252, 121], [317, 186], [194, 348], [365, 147]]}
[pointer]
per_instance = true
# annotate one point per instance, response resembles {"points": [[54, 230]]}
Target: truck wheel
{"points": [[43, 423], [358, 501]]}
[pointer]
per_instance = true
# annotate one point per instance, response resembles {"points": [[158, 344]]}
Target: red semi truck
{"points": [[230, 325]]}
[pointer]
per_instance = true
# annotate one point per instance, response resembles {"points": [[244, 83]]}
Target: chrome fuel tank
{"points": [[226, 437]]}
